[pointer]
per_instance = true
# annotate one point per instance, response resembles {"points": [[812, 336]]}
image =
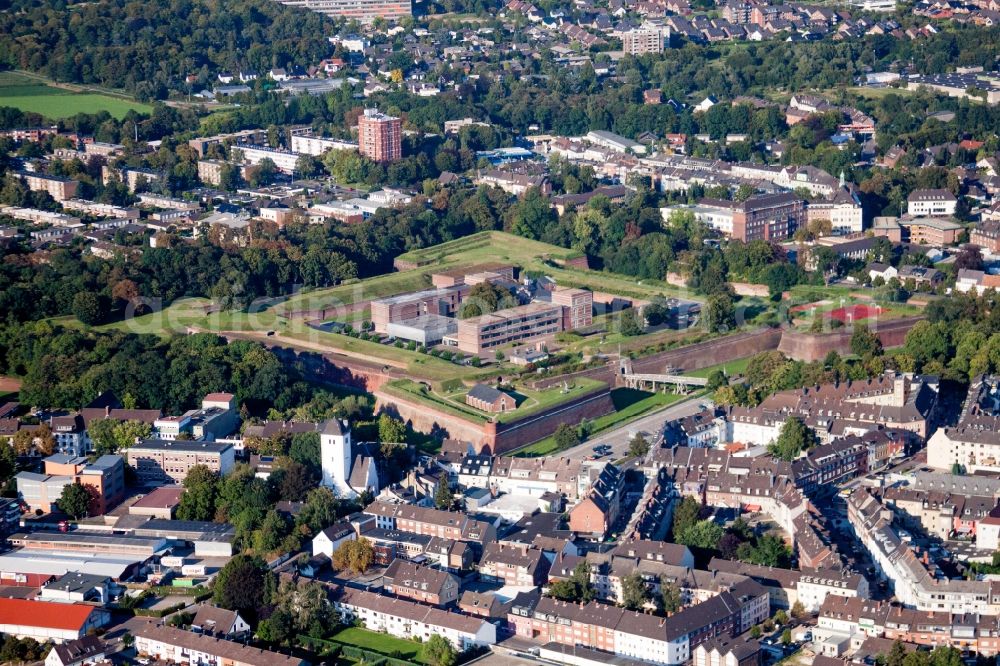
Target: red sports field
{"points": [[854, 312]]}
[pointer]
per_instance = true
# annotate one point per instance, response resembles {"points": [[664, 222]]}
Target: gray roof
{"points": [[485, 393]]}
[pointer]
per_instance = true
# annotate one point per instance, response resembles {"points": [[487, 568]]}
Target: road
{"points": [[651, 424]]}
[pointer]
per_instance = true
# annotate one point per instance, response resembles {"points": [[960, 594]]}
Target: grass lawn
{"points": [[35, 96], [377, 642], [630, 404], [454, 402], [733, 368], [355, 292]]}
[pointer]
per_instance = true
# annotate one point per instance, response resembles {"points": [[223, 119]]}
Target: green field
{"points": [[630, 404], [732, 368], [532, 401], [35, 96]]}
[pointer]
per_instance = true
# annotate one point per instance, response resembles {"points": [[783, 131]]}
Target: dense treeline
{"points": [[67, 367], [147, 47]]}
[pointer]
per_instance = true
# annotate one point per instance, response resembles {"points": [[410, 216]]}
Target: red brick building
{"points": [[380, 137]]}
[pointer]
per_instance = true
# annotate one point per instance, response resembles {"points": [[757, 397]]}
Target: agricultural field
{"points": [[34, 95]]}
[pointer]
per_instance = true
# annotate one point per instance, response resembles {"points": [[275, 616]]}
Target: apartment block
{"points": [[768, 217], [421, 583], [203, 143], [58, 188], [364, 11], [643, 40], [105, 477], [974, 442], [507, 326], [176, 646], [317, 145], [380, 137], [158, 461], [253, 155]]}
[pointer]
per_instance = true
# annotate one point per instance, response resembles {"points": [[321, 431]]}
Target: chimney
{"points": [[107, 411]]}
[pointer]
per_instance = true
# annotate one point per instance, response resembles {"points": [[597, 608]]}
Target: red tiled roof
{"points": [[43, 614]]}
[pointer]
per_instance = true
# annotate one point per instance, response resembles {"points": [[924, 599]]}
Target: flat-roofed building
{"points": [[317, 145], [507, 326], [933, 231], [58, 188], [158, 461], [577, 305], [768, 217], [380, 136], [364, 11], [644, 40], [253, 155], [201, 144], [105, 476], [442, 302]]}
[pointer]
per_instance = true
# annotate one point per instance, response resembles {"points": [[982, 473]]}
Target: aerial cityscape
{"points": [[500, 332]]}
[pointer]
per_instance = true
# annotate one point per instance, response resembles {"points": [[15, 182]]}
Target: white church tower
{"points": [[336, 457]]}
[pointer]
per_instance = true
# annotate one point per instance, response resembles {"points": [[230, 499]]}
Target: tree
{"points": [[970, 257], [199, 496], [8, 462], [864, 343], [770, 551], [634, 591], [89, 308], [686, 514], [716, 380], [438, 651], [355, 555], [794, 438], [443, 497], [102, 434], [566, 436], [781, 617], [638, 446], [75, 500], [126, 433], [320, 510], [244, 584], [485, 298], [786, 637], [720, 313], [629, 323], [295, 480], [755, 631], [799, 611], [670, 596], [391, 430], [703, 534], [44, 440]]}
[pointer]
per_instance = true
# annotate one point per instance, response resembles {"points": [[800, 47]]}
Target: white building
{"points": [[48, 621], [177, 646], [408, 619], [330, 539], [317, 145], [252, 155], [346, 472], [923, 203]]}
